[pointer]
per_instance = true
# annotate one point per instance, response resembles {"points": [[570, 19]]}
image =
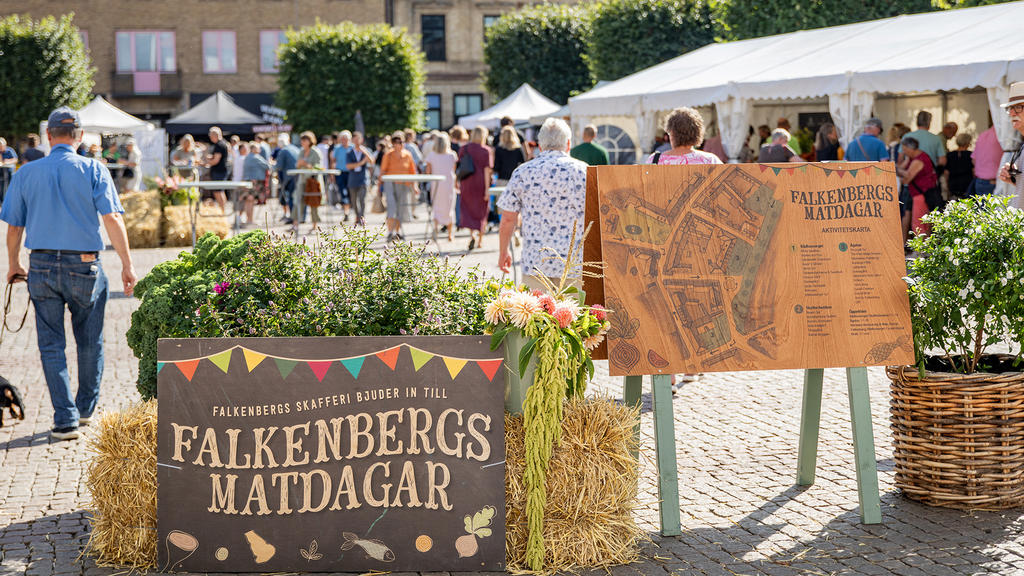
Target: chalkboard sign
{"points": [[749, 266], [347, 454]]}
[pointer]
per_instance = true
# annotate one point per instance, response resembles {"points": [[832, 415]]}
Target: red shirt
{"points": [[926, 178]]}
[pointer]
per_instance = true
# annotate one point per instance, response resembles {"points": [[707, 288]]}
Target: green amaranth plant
{"points": [[560, 332]]}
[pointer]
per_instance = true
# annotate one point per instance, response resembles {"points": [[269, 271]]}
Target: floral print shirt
{"points": [[549, 192]]}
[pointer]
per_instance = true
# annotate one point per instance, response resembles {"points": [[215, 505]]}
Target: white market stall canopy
{"points": [[102, 116], [520, 105], [850, 64]]}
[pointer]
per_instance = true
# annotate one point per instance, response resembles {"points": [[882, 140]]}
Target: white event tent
{"points": [[851, 65], [103, 117], [519, 106]]}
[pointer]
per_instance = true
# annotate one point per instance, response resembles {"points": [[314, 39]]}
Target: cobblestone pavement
{"points": [[736, 437]]}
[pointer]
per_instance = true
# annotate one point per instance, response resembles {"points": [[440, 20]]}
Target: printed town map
{"points": [[748, 267]]}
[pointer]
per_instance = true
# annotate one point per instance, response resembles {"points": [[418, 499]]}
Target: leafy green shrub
{"points": [[755, 18], [343, 288], [967, 289], [327, 73], [630, 35], [43, 65], [172, 293], [543, 45]]}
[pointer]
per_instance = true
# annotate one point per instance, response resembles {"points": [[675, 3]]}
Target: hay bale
{"points": [[142, 218], [178, 227], [588, 520], [122, 481], [591, 490]]}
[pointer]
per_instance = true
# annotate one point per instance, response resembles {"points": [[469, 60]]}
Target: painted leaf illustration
{"points": [[483, 518], [469, 524], [311, 554], [483, 532]]}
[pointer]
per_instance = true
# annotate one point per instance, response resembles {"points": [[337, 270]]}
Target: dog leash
{"points": [[8, 301]]}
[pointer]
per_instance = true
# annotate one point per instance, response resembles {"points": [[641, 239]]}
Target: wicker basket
{"points": [[958, 440]]}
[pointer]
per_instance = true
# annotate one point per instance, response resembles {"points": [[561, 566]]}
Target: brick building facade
{"points": [[156, 59]]}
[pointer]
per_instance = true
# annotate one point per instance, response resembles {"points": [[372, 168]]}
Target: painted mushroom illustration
{"points": [[182, 541], [476, 527]]}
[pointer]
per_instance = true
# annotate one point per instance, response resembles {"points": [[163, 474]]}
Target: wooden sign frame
{"points": [[884, 212], [331, 454]]}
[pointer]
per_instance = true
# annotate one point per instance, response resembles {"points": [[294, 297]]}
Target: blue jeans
{"points": [[56, 281], [343, 194], [979, 187]]}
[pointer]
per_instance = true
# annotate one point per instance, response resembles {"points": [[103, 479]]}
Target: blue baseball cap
{"points": [[64, 116]]}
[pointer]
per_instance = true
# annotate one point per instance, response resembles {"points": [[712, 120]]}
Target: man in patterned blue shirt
{"points": [[549, 192]]}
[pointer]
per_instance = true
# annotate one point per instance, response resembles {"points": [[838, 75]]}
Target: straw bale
{"points": [[142, 218], [178, 227], [122, 481], [591, 490]]}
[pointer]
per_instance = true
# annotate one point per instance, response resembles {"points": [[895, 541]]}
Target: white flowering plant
{"points": [[967, 288]]}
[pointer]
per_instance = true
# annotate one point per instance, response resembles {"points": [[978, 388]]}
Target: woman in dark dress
{"points": [[508, 155], [960, 166], [473, 200], [826, 144]]}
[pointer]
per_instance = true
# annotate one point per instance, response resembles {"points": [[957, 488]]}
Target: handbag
{"points": [[311, 193], [465, 168], [932, 197]]}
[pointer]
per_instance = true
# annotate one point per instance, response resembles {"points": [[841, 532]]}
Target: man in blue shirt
{"points": [[340, 162], [8, 161], [57, 203], [868, 147], [285, 159], [358, 162]]}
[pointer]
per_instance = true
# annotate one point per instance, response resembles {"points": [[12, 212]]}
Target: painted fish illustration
{"points": [[374, 548], [880, 352]]}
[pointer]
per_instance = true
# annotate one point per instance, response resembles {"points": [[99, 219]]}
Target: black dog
{"points": [[10, 399]]}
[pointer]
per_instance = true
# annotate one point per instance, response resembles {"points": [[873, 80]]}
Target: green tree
{"points": [[947, 4], [755, 18], [630, 35], [544, 46], [327, 73], [43, 65]]}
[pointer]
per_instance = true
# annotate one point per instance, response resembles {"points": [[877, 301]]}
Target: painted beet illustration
{"points": [[476, 527]]}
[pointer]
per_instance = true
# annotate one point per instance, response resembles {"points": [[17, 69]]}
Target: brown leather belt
{"points": [[68, 252]]}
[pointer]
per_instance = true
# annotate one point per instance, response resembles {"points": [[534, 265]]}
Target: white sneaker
{"points": [[84, 421], [65, 433], [678, 380]]}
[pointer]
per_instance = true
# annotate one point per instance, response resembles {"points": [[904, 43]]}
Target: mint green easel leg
{"points": [[665, 448], [864, 445], [632, 390], [810, 420]]}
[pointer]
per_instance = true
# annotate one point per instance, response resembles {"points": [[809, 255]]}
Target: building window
{"points": [[219, 52], [145, 51], [432, 30], [269, 41], [433, 111], [489, 21], [466, 104]]}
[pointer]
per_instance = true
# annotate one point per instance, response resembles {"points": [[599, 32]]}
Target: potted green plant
{"points": [[958, 415]]}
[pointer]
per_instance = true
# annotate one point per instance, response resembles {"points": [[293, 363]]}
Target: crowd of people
{"points": [[124, 159]]}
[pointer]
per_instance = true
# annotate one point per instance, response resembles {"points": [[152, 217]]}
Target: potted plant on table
{"points": [[958, 415]]}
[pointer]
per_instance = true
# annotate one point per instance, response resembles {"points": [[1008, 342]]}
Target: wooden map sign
{"points": [[331, 455], [750, 266]]}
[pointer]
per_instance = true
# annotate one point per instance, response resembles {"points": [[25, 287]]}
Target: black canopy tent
{"points": [[217, 110]]}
